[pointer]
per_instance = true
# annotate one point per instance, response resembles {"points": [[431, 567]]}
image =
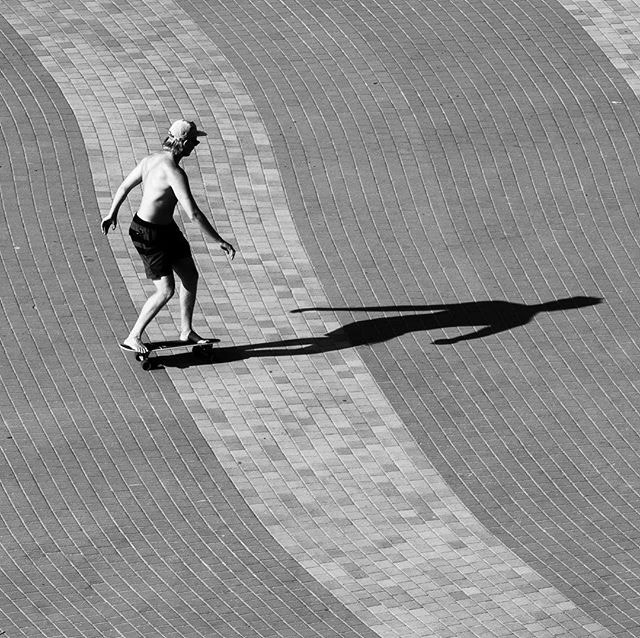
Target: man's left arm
{"points": [[180, 185]]}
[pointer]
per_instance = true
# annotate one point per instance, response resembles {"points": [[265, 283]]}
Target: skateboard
{"points": [[157, 348]]}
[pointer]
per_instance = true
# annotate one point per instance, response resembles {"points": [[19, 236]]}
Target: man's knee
{"points": [[167, 294], [165, 289]]}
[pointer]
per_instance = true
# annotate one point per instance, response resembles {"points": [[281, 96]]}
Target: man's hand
{"points": [[108, 223], [228, 248]]}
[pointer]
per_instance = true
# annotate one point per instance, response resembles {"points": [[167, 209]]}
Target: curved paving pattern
{"points": [[443, 157]]}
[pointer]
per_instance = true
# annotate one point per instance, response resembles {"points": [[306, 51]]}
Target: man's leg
{"points": [[165, 287], [188, 275]]}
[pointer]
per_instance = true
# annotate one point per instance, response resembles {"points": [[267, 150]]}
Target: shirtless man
{"points": [[157, 238]]}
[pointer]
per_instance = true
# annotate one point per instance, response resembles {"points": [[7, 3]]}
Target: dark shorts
{"points": [[159, 246]]}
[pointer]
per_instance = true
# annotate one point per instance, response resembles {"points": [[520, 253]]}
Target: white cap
{"points": [[182, 130]]}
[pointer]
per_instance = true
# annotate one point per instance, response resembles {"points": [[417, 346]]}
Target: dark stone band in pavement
{"points": [[115, 517], [437, 154]]}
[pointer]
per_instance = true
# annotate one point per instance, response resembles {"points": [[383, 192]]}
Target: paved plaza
{"points": [[421, 419]]}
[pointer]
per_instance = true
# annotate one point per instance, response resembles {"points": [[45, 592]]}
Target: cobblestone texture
{"points": [[395, 174]]}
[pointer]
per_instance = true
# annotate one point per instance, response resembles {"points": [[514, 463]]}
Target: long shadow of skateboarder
{"points": [[490, 317]]}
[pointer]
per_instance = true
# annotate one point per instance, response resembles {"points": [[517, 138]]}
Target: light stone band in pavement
{"points": [[328, 514]]}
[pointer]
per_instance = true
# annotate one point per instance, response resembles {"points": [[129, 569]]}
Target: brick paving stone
{"points": [[370, 110]]}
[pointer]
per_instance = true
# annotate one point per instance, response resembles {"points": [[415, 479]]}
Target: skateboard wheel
{"points": [[146, 364]]}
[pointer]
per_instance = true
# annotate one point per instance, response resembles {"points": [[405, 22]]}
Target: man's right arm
{"points": [[130, 181]]}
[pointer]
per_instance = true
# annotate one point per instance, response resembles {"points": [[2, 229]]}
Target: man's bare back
{"points": [[158, 198]]}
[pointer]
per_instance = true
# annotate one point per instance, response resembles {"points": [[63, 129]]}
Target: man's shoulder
{"points": [[159, 163], [158, 158]]}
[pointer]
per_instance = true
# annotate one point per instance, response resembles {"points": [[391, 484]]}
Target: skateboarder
{"points": [[157, 238]]}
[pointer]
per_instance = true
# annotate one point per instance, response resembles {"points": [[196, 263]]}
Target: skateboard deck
{"points": [[157, 348]]}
